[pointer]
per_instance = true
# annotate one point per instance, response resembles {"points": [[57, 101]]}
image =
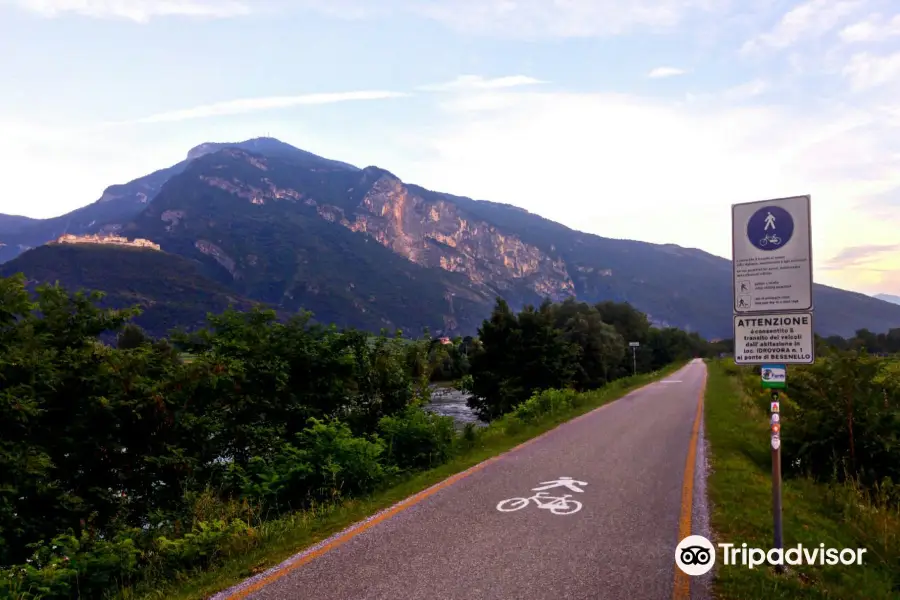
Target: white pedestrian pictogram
{"points": [[558, 505], [770, 222], [566, 482]]}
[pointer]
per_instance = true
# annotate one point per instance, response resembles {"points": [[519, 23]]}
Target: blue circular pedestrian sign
{"points": [[770, 228]]}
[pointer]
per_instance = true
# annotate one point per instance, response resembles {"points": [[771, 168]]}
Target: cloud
{"points": [[248, 105], [876, 28], [660, 72], [807, 21], [862, 256], [866, 71], [746, 90], [477, 82], [140, 11], [532, 18]]}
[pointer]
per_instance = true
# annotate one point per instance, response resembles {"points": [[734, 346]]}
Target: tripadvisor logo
{"points": [[696, 555]]}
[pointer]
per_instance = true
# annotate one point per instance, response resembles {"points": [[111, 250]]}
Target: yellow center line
{"points": [[682, 587]]}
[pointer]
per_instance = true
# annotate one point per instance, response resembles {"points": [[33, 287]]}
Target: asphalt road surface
{"points": [[456, 545]]}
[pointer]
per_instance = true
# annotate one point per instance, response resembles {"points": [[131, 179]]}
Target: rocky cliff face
{"points": [[438, 234]]}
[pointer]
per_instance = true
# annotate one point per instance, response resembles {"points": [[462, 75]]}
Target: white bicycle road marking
{"points": [[558, 505]]}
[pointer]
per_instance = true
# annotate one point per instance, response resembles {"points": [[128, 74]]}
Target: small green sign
{"points": [[774, 376]]}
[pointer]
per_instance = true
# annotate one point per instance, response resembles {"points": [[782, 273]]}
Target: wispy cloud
{"points": [[862, 256], [875, 28], [140, 11], [746, 90], [477, 82], [248, 105], [809, 20], [660, 72], [533, 18], [867, 71]]}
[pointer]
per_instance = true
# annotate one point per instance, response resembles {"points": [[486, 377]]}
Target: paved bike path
{"points": [[456, 545]]}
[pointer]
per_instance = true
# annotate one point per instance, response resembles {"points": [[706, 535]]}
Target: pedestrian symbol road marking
{"points": [[566, 482], [558, 505]]}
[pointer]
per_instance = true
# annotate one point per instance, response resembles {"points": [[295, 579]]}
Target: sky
{"points": [[644, 119]]}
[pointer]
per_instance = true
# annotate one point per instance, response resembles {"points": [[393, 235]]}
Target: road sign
{"points": [[774, 376], [772, 255], [634, 344], [783, 337]]}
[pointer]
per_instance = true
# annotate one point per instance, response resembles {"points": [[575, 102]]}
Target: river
{"points": [[450, 402]]}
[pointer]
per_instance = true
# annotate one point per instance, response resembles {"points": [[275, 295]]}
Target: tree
{"points": [[131, 336], [602, 348]]}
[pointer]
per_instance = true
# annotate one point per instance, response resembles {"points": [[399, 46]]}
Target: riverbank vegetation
{"points": [[840, 461], [127, 470]]}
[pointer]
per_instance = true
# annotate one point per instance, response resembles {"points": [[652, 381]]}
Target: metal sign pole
{"points": [[634, 347], [776, 474], [634, 360], [774, 378]]}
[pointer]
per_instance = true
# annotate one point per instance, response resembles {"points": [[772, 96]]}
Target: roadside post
{"points": [[634, 347], [773, 306]]}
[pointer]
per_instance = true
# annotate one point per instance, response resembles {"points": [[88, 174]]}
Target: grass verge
{"points": [[280, 539], [836, 514]]}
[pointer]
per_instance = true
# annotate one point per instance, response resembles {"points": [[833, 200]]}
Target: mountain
{"points": [[170, 289], [888, 298], [122, 202], [10, 223], [360, 247]]}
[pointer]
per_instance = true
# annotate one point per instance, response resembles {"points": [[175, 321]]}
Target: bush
{"points": [[416, 439], [546, 402], [841, 418]]}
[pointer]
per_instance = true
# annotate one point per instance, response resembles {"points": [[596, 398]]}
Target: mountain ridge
{"points": [[361, 247], [888, 298]]}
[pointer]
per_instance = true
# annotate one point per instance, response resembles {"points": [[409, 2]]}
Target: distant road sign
{"points": [[783, 337], [772, 255], [634, 344]]}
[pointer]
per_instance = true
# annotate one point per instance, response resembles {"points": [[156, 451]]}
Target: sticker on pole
{"points": [[782, 338], [557, 505], [774, 376], [776, 442]]}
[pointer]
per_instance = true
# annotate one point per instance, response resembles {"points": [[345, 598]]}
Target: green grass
{"points": [[282, 538], [838, 515]]}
